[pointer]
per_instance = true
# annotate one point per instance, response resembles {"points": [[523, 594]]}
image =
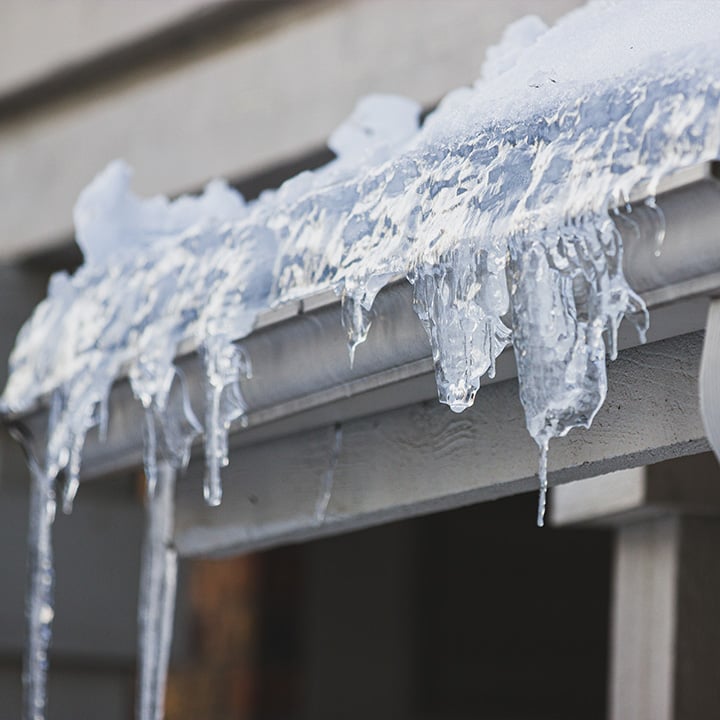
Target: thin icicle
{"points": [[177, 423], [150, 452], [39, 607], [357, 321], [328, 479], [156, 608], [542, 475], [660, 224], [72, 473], [214, 457], [72, 476], [103, 419], [225, 363]]}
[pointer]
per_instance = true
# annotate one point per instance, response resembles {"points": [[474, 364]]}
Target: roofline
{"points": [[394, 366]]}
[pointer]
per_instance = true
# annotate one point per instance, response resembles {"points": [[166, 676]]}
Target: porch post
{"points": [[665, 604]]}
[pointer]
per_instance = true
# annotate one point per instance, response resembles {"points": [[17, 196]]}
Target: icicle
{"points": [[328, 479], [659, 222], [542, 476], [73, 412], [214, 455], [150, 452], [103, 419], [72, 475], [69, 493], [460, 301], [156, 607], [357, 321], [39, 609], [224, 364], [57, 453], [178, 424]]}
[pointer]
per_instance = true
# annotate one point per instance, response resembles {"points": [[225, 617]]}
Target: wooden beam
{"points": [[423, 458]]}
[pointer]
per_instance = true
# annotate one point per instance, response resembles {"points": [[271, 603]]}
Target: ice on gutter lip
{"points": [[685, 282], [285, 310]]}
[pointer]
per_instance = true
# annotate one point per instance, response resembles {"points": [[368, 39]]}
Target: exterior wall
{"points": [[40, 38]]}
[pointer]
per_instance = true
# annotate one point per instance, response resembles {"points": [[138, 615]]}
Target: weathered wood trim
{"points": [[423, 458]]}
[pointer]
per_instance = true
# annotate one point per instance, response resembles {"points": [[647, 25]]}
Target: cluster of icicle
{"points": [[498, 210]]}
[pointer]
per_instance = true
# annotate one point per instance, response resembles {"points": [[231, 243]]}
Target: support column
{"points": [[665, 633]]}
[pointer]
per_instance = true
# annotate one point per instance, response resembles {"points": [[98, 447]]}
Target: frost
{"points": [[501, 211], [156, 606]]}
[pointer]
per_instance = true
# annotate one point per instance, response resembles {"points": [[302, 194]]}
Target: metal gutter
{"points": [[302, 375]]}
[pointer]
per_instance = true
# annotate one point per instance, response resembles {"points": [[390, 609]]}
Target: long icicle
{"points": [[39, 609], [542, 476], [156, 607]]}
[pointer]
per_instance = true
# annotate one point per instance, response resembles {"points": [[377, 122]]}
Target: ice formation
{"points": [[41, 581], [498, 210], [328, 479], [156, 606]]}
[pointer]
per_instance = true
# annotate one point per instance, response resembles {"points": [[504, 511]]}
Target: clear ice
{"points": [[39, 605], [500, 210], [156, 606], [328, 479]]}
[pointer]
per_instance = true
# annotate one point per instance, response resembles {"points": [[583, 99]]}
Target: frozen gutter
{"points": [[495, 210], [302, 376]]}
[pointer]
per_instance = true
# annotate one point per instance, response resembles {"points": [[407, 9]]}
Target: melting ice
{"points": [[498, 210]]}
